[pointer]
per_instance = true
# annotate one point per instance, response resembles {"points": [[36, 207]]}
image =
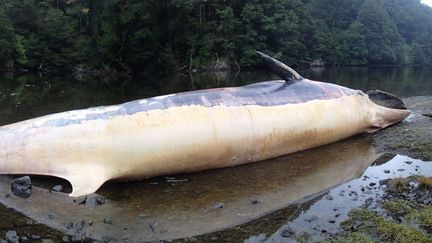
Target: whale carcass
{"points": [[193, 131]]}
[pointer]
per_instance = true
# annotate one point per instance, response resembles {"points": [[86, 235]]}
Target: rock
{"points": [[21, 187], [65, 238], [329, 197], [80, 230], [3, 241], [107, 221], [287, 232], [80, 200], [95, 200], [408, 162], [427, 115], [218, 205], [317, 63], [311, 219], [47, 241], [331, 221], [372, 184], [12, 236], [384, 182], [368, 202], [35, 237], [57, 188], [387, 171], [255, 201]]}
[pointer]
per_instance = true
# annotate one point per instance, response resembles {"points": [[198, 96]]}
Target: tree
{"points": [[6, 40], [381, 35]]}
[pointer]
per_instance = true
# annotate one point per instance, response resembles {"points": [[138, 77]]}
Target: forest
{"points": [[182, 35]]}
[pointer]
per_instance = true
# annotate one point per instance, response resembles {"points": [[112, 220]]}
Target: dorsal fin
{"points": [[280, 68]]}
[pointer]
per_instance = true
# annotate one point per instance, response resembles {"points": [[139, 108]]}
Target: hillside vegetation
{"points": [[139, 35]]}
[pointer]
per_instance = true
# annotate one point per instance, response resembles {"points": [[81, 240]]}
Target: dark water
{"points": [[24, 96], [255, 201]]}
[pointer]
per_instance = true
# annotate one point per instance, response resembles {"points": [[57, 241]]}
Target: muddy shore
{"points": [[412, 138]]}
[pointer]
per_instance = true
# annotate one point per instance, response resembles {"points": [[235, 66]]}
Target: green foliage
{"points": [[6, 39], [20, 52], [188, 34]]}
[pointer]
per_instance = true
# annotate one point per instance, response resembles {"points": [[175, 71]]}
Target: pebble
{"points": [[372, 184], [387, 171], [384, 182], [369, 201], [218, 205], [95, 200], [313, 218], [255, 201], [80, 200], [329, 197], [79, 231], [12, 237], [287, 232], [57, 188], [107, 221], [21, 187]]}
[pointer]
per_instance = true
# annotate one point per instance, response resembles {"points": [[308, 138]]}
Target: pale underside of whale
{"points": [[188, 132]]}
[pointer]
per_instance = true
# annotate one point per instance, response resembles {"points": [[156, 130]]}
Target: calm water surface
{"points": [[24, 96]]}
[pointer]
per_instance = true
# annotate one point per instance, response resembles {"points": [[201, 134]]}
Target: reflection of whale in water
{"points": [[162, 211]]}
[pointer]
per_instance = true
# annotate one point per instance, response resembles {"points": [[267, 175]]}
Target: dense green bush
{"points": [[187, 34]]}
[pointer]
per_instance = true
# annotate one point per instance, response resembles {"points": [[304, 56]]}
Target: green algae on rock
{"points": [[403, 215]]}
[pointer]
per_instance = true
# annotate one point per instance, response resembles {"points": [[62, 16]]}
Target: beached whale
{"points": [[193, 131]]}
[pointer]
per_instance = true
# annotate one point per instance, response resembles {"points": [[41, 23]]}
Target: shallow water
{"points": [[263, 198], [310, 191], [25, 96]]}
